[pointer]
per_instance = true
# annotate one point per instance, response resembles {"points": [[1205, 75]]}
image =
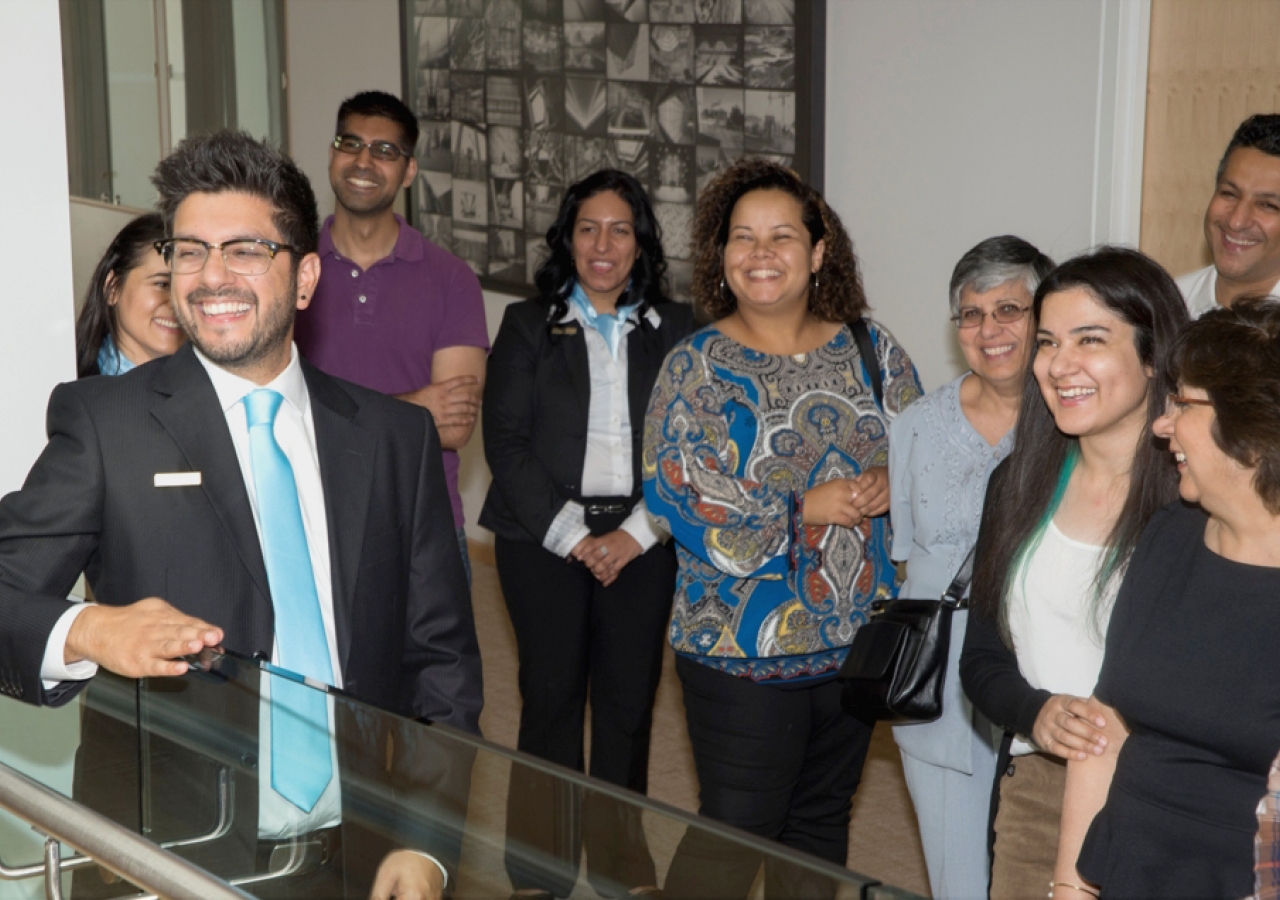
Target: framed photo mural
{"points": [[517, 99]]}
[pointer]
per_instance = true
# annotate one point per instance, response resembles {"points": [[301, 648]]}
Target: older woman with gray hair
{"points": [[941, 452]]}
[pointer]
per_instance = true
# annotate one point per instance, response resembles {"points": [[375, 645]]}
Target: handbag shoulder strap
{"points": [[954, 595], [862, 334]]}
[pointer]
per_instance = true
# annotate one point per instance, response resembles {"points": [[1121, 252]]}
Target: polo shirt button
{"points": [[355, 273], [363, 298]]}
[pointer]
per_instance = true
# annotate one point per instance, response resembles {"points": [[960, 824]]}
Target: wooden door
{"points": [[1212, 64]]}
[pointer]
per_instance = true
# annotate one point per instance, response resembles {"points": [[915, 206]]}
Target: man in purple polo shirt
{"points": [[393, 311]]}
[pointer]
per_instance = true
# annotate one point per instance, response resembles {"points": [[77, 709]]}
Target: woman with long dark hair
{"points": [[765, 456], [1062, 517], [126, 319], [586, 578]]}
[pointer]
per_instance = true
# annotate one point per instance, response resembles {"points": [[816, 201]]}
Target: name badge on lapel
{"points": [[564, 329], [177, 479]]}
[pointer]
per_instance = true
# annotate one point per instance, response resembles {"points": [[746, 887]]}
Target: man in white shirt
{"points": [[1242, 223], [154, 484]]}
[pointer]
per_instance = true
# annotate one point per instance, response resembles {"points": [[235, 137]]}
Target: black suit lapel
{"points": [[192, 417], [644, 356], [347, 453]]}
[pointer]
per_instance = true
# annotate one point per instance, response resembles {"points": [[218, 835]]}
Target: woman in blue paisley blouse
{"points": [[765, 457]]}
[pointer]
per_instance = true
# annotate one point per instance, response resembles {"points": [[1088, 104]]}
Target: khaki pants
{"points": [[1026, 826]]}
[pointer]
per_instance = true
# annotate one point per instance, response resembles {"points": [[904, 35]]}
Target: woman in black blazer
{"points": [[587, 580]]}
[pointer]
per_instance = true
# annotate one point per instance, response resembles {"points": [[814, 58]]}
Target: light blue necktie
{"points": [[300, 763]]}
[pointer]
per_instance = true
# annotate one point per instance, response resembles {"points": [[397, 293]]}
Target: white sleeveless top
{"points": [[1059, 648]]}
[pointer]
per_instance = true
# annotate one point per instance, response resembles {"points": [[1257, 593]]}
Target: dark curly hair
{"points": [[235, 161], [837, 298], [555, 278], [1233, 355], [127, 251]]}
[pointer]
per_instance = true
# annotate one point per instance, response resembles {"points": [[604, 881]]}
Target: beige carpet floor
{"points": [[883, 840]]}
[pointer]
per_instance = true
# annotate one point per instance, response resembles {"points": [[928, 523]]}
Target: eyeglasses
{"points": [[246, 256], [1176, 403], [1005, 314], [383, 150]]}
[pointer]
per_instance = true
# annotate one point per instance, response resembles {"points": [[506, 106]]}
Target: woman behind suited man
{"points": [[126, 319], [587, 581]]}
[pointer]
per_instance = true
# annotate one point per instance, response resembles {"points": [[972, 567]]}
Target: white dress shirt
{"points": [[607, 466]]}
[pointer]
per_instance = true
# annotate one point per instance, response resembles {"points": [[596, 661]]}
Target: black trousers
{"points": [[577, 638], [780, 763]]}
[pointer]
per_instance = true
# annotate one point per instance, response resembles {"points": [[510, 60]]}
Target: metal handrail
{"points": [[130, 856]]}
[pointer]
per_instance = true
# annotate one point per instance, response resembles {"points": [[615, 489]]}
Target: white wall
{"points": [[335, 48], [950, 122], [37, 343], [36, 346]]}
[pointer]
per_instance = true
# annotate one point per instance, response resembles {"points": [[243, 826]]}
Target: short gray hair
{"points": [[996, 261]]}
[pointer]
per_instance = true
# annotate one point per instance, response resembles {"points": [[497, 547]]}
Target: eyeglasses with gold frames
{"points": [[1176, 403]]}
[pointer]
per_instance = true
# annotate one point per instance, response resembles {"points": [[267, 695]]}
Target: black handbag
{"points": [[897, 664]]}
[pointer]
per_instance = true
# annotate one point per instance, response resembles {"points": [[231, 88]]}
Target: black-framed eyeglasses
{"points": [[1180, 404], [243, 256], [383, 150], [1004, 314]]}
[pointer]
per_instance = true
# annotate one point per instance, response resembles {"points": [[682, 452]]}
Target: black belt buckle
{"points": [[606, 514]]}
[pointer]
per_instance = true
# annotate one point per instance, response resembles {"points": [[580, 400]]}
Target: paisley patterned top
{"points": [[733, 439]]}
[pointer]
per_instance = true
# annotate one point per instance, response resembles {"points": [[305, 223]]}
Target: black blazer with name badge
{"points": [[403, 620], [537, 397], [402, 612]]}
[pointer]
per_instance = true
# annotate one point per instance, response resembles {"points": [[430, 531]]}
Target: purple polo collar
{"points": [[408, 245]]}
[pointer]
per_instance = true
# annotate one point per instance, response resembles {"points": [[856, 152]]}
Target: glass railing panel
{"points": [[40, 743], [181, 761]]}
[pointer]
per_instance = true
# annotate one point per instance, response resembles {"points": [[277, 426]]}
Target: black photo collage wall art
{"points": [[517, 99]]}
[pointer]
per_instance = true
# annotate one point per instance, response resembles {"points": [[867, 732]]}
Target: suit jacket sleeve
{"points": [[527, 488], [988, 668], [443, 681], [48, 533]]}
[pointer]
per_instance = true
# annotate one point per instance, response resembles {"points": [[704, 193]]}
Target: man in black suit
{"points": [[147, 486]]}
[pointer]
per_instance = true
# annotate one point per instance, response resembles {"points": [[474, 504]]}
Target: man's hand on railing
{"points": [[141, 640], [406, 875]]}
